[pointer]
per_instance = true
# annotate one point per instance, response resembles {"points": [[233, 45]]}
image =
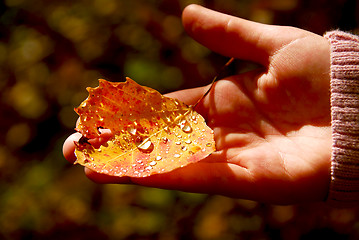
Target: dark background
{"points": [[50, 51]]}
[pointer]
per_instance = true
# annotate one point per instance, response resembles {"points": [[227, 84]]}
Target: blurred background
{"points": [[50, 51]]}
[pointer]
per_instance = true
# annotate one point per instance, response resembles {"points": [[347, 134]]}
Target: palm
{"points": [[267, 152], [271, 126]]}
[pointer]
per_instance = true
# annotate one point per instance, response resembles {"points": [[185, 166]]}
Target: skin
{"points": [[271, 125]]}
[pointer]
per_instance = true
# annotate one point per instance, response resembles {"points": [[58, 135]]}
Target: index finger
{"points": [[236, 37]]}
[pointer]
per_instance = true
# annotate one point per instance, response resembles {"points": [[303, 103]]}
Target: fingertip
{"points": [[229, 35], [68, 149], [190, 17], [190, 9], [105, 135]]}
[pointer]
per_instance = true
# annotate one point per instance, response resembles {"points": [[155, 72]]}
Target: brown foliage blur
{"points": [[50, 51]]}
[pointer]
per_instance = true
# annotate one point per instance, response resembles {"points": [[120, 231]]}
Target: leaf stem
{"points": [[214, 80]]}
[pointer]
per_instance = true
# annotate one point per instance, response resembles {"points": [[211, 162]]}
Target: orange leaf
{"points": [[151, 133]]}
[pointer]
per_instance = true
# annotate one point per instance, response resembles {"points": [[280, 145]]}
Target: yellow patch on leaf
{"points": [[151, 133]]}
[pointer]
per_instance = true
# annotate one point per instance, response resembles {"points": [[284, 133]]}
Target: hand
{"points": [[271, 125]]}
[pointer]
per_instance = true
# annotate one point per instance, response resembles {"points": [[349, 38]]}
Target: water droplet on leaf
{"points": [[185, 126], [187, 129], [132, 130], [146, 146]]}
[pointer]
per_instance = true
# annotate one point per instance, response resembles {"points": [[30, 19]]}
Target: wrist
{"points": [[344, 186]]}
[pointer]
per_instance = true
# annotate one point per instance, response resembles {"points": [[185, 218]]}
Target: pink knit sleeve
{"points": [[344, 187]]}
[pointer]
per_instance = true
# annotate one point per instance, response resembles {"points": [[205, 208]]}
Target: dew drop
{"points": [[146, 146], [132, 130], [188, 141], [148, 168], [184, 148], [176, 155], [178, 143], [158, 158], [153, 163], [184, 125]]}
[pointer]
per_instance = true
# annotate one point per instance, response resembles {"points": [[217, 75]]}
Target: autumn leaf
{"points": [[151, 133]]}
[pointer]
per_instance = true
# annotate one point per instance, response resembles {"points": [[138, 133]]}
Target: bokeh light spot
{"points": [[18, 135]]}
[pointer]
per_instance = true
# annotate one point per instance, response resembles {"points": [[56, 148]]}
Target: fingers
{"points": [[236, 37], [68, 148], [201, 177], [102, 178], [188, 96]]}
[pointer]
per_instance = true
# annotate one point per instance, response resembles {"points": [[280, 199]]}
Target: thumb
{"points": [[236, 37]]}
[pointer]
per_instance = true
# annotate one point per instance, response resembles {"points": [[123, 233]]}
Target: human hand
{"points": [[271, 126]]}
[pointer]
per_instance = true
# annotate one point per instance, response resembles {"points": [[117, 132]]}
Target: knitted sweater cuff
{"points": [[344, 186]]}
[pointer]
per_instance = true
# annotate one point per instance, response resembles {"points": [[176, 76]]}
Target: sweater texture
{"points": [[344, 186]]}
